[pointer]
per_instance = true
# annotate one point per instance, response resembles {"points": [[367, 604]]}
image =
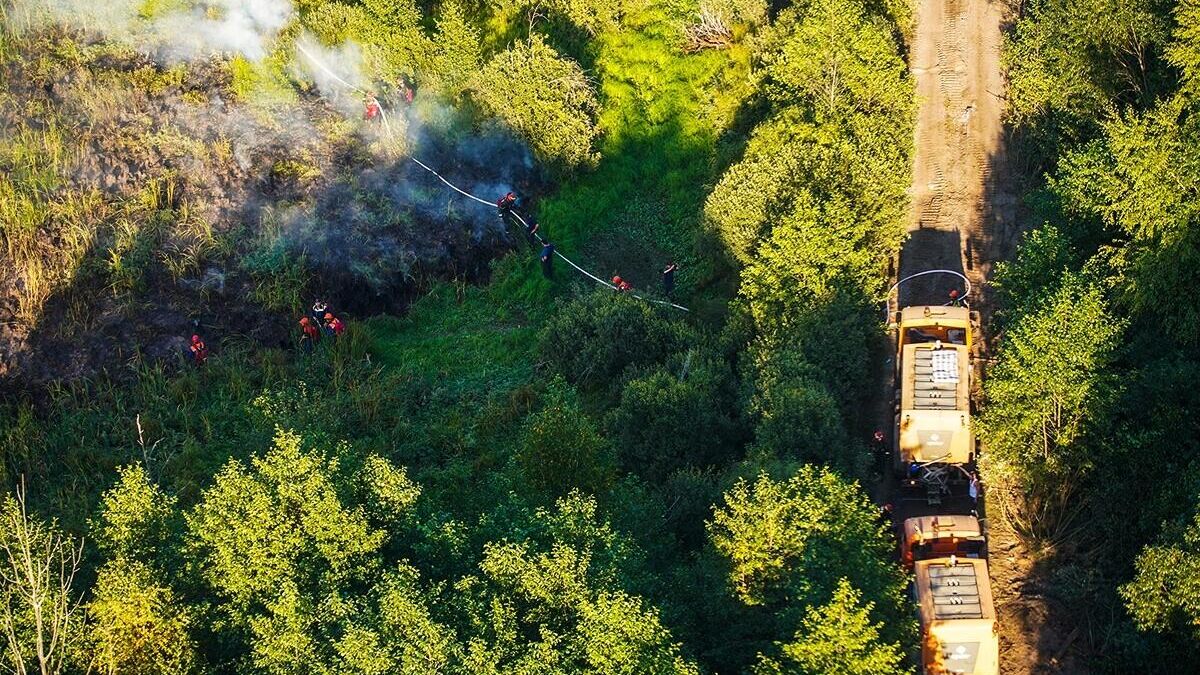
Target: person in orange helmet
{"points": [[620, 284], [334, 325], [311, 334], [199, 350]]}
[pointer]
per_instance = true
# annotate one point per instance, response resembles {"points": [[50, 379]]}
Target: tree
{"points": [[39, 611], [1071, 58], [137, 520], [1050, 384], [592, 341], [285, 554], [560, 447], [1142, 177], [554, 603], [832, 58], [545, 99], [669, 419], [788, 543], [457, 51], [838, 638], [1164, 594], [798, 418], [138, 627]]}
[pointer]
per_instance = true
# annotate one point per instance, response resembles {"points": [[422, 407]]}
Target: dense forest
{"points": [[497, 470], [1090, 420]]}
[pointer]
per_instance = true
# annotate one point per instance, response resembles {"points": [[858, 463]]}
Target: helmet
{"points": [[195, 339], [328, 316], [616, 280], [954, 292], [304, 321], [879, 435]]}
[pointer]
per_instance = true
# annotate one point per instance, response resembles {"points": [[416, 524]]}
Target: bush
{"points": [[594, 340], [545, 99], [669, 419], [561, 449]]}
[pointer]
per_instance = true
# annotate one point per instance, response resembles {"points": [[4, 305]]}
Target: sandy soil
{"points": [[964, 219]]}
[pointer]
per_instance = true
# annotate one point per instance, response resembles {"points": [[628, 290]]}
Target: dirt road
{"points": [[964, 219]]}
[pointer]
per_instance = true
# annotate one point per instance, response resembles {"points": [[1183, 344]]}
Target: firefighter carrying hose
{"points": [[373, 111]]}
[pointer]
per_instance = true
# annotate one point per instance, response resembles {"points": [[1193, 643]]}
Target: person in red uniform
{"points": [[621, 284], [334, 325], [311, 334], [373, 110], [506, 202], [199, 350]]}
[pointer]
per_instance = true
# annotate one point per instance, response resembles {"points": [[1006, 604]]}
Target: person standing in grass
{"points": [[310, 334], [548, 259], [668, 279], [531, 228], [334, 325]]}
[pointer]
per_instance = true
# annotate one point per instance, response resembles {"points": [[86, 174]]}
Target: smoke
{"points": [[370, 218], [186, 30], [337, 72]]}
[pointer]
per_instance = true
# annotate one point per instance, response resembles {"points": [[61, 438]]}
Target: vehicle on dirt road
{"points": [[933, 430], [959, 633]]}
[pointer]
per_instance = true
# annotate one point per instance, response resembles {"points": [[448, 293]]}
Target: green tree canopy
{"points": [[561, 449], [837, 638], [790, 542], [676, 417], [594, 340], [545, 99], [1164, 595]]}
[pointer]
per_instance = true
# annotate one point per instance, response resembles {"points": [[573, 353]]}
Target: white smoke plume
{"points": [[184, 30], [337, 71]]}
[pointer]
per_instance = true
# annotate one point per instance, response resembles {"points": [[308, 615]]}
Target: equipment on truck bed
{"points": [[933, 398], [941, 536], [959, 634]]}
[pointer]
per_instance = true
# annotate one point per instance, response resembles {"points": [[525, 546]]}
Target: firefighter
{"points": [[406, 92], [199, 351], [318, 309], [310, 334], [547, 259], [531, 228], [954, 299], [620, 284], [879, 449], [373, 110], [507, 202], [334, 325], [668, 279]]}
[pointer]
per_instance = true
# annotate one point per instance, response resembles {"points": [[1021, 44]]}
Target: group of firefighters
{"points": [[312, 328], [323, 322], [506, 205]]}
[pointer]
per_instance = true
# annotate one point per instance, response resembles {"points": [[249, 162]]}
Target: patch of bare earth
{"points": [[964, 219]]}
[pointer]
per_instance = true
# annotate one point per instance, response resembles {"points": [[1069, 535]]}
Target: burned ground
{"points": [[145, 202]]}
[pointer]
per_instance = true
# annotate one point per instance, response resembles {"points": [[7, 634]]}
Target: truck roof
{"points": [[953, 592], [918, 315], [942, 527]]}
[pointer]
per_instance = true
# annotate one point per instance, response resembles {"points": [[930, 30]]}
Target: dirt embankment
{"points": [[965, 219]]}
